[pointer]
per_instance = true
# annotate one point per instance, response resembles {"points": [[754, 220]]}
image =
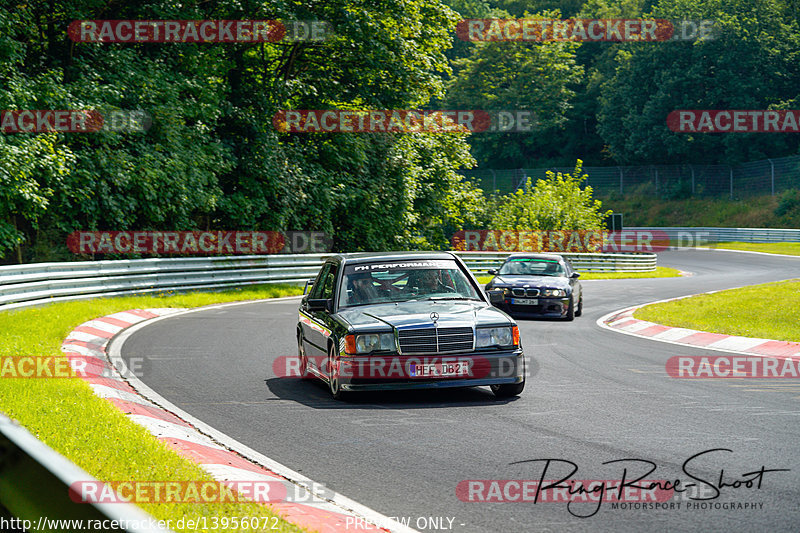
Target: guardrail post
{"points": [[692, 169]]}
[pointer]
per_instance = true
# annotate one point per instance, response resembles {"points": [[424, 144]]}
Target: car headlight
{"points": [[369, 342], [554, 292], [504, 336]]}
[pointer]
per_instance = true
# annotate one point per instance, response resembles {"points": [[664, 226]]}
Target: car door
{"points": [[573, 282], [316, 324], [309, 326]]}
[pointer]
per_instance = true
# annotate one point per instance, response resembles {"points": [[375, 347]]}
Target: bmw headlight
{"points": [[558, 293], [374, 341], [486, 337]]}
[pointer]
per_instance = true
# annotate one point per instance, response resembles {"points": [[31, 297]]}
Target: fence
{"points": [[24, 285], [770, 176]]}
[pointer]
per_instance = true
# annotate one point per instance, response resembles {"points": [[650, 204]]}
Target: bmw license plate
{"points": [[439, 370], [525, 301]]}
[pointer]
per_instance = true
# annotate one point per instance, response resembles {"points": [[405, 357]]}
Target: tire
{"points": [[570, 310], [333, 375], [508, 390], [579, 310], [301, 353]]}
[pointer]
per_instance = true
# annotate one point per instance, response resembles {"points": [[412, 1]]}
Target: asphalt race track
{"points": [[594, 396]]}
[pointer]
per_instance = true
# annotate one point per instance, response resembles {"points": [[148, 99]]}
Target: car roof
{"points": [[371, 257], [535, 256]]}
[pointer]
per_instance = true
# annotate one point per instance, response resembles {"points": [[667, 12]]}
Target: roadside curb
{"points": [[622, 321], [223, 458]]}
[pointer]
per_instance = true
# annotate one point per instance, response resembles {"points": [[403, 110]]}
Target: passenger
{"points": [[363, 289]]}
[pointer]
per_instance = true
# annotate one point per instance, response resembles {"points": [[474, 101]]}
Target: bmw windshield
{"points": [[532, 267], [366, 284]]}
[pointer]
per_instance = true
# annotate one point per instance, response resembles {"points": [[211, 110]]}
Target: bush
{"points": [[789, 207], [554, 203]]}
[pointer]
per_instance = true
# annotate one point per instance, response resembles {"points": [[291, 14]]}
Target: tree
{"points": [[752, 62], [212, 158], [503, 75]]}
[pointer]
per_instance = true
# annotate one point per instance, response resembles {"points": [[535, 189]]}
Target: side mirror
{"points": [[495, 296], [320, 304], [492, 271], [575, 275], [309, 284]]}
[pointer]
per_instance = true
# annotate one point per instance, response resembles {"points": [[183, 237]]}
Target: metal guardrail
{"points": [[43, 282], [34, 284], [726, 234], [35, 483], [481, 262]]}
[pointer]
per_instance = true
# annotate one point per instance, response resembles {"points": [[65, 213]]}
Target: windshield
{"points": [[532, 267], [404, 281]]}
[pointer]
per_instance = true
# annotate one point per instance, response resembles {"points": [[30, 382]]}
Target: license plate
{"points": [[525, 301], [439, 370]]}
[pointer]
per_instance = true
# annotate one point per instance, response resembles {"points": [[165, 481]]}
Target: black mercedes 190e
{"points": [[535, 285], [406, 321]]}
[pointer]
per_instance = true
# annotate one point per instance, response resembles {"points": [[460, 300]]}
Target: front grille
{"points": [[436, 340], [520, 292]]}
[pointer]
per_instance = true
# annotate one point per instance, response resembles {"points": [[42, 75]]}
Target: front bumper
{"points": [[391, 372], [546, 307]]}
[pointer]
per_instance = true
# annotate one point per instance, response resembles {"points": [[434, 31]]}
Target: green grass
{"points": [[660, 272], [89, 431], [650, 210], [766, 311], [787, 248]]}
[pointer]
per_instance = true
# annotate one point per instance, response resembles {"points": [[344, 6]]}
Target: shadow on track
{"points": [[314, 393]]}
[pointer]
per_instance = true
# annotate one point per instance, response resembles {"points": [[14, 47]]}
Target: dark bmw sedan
{"points": [[406, 321], [538, 285]]}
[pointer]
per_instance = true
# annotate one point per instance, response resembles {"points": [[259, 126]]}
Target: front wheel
{"points": [[333, 375], [579, 310], [570, 310], [301, 353], [508, 390]]}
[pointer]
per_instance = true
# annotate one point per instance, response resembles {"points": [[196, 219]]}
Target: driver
{"points": [[428, 281]]}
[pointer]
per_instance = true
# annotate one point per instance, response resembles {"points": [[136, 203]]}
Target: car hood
{"points": [[413, 314], [553, 282]]}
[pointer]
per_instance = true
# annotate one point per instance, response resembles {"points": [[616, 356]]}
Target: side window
{"points": [[330, 281], [316, 290]]}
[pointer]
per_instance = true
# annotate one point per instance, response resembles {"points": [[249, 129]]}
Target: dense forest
{"points": [[211, 157]]}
